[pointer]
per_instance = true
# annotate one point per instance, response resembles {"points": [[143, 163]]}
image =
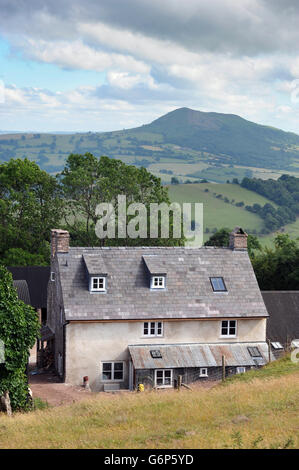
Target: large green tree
{"points": [[278, 268], [221, 238], [30, 205], [87, 181], [19, 327]]}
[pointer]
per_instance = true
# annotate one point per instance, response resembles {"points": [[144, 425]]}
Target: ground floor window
{"points": [[203, 372], [241, 370], [113, 371], [163, 377]]}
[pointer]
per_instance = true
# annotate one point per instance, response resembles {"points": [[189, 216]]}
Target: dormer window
{"points": [[158, 282], [156, 268], [98, 284]]}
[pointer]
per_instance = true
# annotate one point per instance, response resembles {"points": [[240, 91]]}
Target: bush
{"points": [[19, 328]]}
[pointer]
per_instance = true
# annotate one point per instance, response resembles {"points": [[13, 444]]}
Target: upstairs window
{"points": [[218, 284], [228, 328], [158, 282], [98, 284], [153, 328]]}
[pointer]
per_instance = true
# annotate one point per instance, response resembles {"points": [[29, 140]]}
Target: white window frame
{"points": [[112, 371], [203, 372], [161, 282], [163, 373], [98, 289], [149, 329], [228, 335], [239, 371], [52, 276]]}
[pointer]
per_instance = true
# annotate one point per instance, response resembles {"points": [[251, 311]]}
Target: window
{"points": [[113, 371], [241, 370], [254, 351], [277, 345], [228, 328], [218, 284], [203, 372], [158, 282], [153, 328], [98, 284], [156, 354], [163, 377], [52, 276]]}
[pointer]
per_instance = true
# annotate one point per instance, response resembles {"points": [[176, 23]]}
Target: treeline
{"points": [[284, 192], [32, 202], [275, 268]]}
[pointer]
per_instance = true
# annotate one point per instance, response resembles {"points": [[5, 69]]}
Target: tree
{"points": [[174, 180], [221, 238], [19, 327], [87, 181], [30, 205], [278, 268]]}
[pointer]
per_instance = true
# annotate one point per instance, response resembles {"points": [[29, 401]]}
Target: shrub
{"points": [[19, 328]]}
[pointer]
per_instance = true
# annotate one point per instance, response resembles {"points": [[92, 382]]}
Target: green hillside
{"points": [[186, 143], [223, 212]]}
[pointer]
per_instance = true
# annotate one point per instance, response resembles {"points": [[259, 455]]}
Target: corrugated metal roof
{"points": [[22, 291], [37, 278], [196, 355]]}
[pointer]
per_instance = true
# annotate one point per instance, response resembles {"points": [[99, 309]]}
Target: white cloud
{"points": [[77, 55]]}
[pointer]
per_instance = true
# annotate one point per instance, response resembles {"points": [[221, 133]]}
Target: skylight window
{"points": [[277, 345], [156, 354], [218, 284], [254, 351]]}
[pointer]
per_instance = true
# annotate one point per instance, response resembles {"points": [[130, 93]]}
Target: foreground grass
{"points": [[262, 413]]}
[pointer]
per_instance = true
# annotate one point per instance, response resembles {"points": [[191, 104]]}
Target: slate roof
{"points": [[197, 355], [283, 321], [188, 292]]}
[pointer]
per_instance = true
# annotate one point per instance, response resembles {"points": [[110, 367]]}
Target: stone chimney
{"points": [[238, 239], [60, 241]]}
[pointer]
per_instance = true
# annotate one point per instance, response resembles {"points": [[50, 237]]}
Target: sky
{"points": [[103, 65]]}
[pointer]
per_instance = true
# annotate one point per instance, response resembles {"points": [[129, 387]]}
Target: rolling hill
{"points": [[198, 144], [219, 212]]}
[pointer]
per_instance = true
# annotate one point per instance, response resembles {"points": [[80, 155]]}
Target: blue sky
{"points": [[113, 64], [22, 72]]}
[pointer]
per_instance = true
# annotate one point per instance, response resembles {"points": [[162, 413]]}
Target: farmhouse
{"points": [[128, 315]]}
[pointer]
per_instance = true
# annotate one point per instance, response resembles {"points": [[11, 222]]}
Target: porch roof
{"points": [[197, 355]]}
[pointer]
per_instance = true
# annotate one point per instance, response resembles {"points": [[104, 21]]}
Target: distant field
{"points": [[218, 214]]}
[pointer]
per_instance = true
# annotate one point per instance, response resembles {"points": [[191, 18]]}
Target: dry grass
{"points": [[262, 413]]}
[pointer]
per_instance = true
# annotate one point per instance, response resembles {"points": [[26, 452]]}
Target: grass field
{"points": [[260, 410], [217, 213]]}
